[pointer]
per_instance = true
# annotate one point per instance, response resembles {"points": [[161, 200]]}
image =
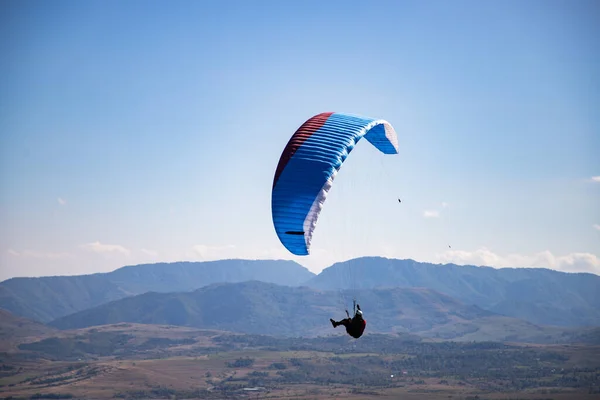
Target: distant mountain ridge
{"points": [[261, 308], [538, 295], [47, 298]]}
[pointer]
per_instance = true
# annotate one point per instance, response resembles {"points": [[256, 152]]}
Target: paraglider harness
{"points": [[354, 326]]}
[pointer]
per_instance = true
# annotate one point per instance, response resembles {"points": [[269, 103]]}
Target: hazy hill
{"points": [[538, 295], [48, 298], [12, 325], [262, 308], [14, 329]]}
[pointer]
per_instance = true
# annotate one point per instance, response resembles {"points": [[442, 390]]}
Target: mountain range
{"points": [[284, 298], [47, 298], [262, 308], [538, 295]]}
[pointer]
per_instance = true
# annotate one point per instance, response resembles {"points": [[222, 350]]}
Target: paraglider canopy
{"points": [[308, 166]]}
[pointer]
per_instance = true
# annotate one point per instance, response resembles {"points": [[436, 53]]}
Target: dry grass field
{"points": [[133, 361]]}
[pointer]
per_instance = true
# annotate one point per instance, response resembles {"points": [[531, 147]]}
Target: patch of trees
{"points": [[96, 343], [245, 362]]}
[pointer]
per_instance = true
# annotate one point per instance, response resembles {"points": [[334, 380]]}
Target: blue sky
{"points": [[146, 131]]}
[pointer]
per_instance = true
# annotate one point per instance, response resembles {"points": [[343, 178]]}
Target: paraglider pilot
{"points": [[355, 326]]}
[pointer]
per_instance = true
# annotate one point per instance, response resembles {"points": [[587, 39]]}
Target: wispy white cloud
{"points": [[102, 248], [150, 253], [431, 214], [206, 252], [573, 262], [435, 213], [61, 201], [39, 254], [595, 178], [596, 227]]}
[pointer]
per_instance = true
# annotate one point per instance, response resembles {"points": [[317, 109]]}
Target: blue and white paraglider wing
{"points": [[307, 168]]}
